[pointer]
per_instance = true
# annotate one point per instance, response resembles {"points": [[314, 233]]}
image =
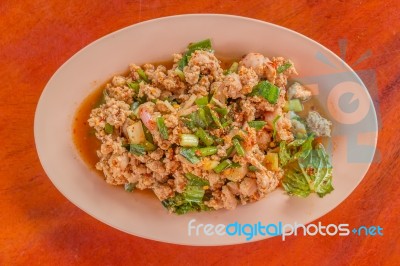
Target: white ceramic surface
{"points": [[157, 40]]}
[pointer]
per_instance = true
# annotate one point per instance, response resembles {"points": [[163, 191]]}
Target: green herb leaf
{"points": [[204, 137], [222, 166], [201, 45], [310, 170], [192, 198], [134, 86], [180, 74], [283, 68], [257, 124], [137, 149], [239, 149], [161, 127], [194, 180], [232, 69], [221, 111], [207, 151], [267, 90], [252, 168], [143, 75], [108, 128], [202, 101], [129, 187], [190, 155]]}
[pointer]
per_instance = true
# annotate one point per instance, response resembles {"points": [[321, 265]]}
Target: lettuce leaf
{"points": [[307, 169], [317, 169], [192, 199]]}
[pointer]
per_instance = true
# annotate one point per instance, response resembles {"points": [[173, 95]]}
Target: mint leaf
{"points": [[307, 169]]}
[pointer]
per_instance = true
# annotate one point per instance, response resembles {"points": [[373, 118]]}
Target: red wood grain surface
{"points": [[39, 226]]}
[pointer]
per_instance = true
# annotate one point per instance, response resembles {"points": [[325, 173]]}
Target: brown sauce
{"points": [[83, 135]]}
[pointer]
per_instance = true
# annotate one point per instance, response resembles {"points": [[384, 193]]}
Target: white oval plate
{"points": [[151, 41]]}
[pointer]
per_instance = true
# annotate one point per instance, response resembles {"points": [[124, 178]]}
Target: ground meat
{"points": [[118, 81], [232, 86], [228, 198], [158, 76], [266, 182], [248, 109], [284, 129], [248, 78], [114, 161], [254, 61], [171, 121], [203, 62], [248, 187], [192, 74], [318, 125], [297, 91], [151, 92], [113, 112], [124, 94], [162, 191]]}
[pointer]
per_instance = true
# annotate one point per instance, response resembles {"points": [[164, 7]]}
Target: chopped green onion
{"points": [[257, 124], [148, 146], [162, 128], [233, 68], [235, 165], [252, 168], [204, 137], [293, 105], [222, 166], [197, 120], [207, 151], [238, 138], [207, 111], [283, 67], [129, 187], [203, 117], [202, 101], [221, 111], [229, 151], [142, 75], [239, 149], [215, 117], [109, 129], [189, 140], [134, 86], [226, 123], [189, 123], [274, 126], [137, 149], [219, 141], [147, 134], [190, 155], [267, 90], [179, 73]]}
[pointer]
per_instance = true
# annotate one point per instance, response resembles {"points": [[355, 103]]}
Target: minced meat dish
{"points": [[206, 138]]}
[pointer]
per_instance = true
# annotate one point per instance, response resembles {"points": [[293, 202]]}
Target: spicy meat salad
{"points": [[206, 138]]}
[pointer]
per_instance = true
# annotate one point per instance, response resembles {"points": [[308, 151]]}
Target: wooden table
{"points": [[39, 226]]}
